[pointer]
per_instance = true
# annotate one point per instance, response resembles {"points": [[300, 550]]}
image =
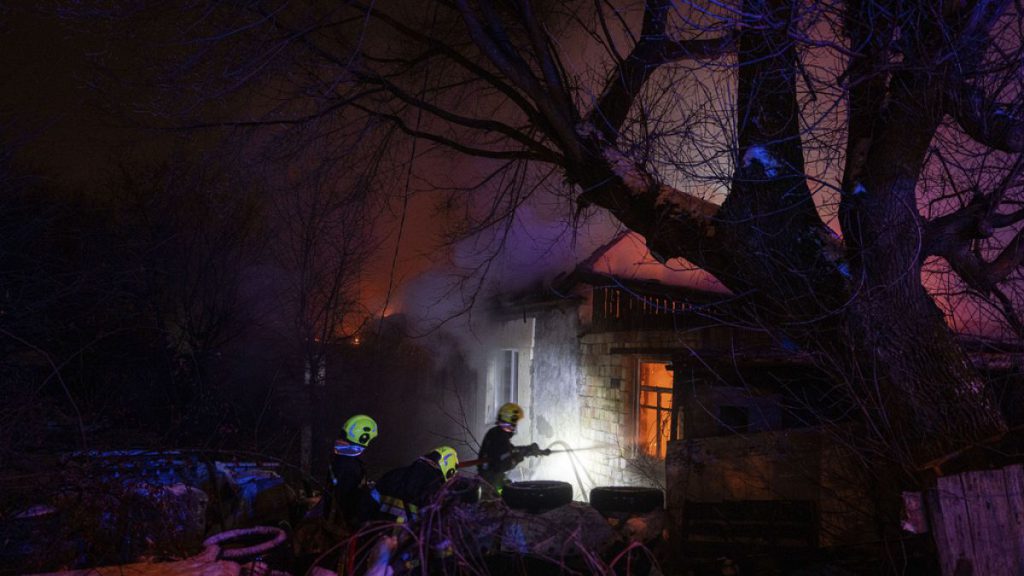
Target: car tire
{"points": [[626, 499], [537, 494]]}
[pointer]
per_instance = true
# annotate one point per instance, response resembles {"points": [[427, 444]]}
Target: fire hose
{"points": [[538, 452], [277, 537]]}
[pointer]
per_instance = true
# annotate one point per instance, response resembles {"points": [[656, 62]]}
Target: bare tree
{"points": [[189, 233], [325, 223], [740, 136]]}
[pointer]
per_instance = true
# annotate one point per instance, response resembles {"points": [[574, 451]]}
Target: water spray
{"points": [[569, 450], [574, 460]]}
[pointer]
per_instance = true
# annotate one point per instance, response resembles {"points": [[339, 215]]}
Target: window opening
{"points": [[734, 419], [508, 377], [654, 408]]}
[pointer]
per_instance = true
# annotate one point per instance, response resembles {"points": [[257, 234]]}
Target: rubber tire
{"points": [[626, 499], [537, 494], [463, 489]]}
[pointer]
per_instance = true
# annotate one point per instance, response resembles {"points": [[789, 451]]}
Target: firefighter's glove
{"points": [[534, 450]]}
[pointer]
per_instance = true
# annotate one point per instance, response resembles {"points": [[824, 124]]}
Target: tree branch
{"points": [[473, 68], [991, 123], [649, 53], [484, 125], [996, 125], [496, 46], [980, 275], [453, 144], [1008, 260], [979, 219]]}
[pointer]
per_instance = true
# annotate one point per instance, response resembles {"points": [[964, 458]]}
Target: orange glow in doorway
{"points": [[654, 417]]}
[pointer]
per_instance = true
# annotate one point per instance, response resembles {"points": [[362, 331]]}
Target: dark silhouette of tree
{"points": [[189, 233], [325, 235]]}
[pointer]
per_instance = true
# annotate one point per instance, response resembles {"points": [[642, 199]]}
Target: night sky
{"points": [[74, 107]]}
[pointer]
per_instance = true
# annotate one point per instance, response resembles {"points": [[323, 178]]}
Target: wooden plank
{"points": [[1013, 478], [937, 521], [979, 516], [955, 523], [985, 501]]}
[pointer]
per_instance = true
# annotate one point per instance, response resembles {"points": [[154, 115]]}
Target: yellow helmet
{"points": [[510, 412], [447, 461], [360, 429]]}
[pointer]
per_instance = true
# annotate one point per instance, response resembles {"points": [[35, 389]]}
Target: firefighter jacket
{"points": [[405, 491], [498, 454], [347, 498]]}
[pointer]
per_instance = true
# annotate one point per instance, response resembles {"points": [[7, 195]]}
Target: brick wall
{"points": [[607, 403]]}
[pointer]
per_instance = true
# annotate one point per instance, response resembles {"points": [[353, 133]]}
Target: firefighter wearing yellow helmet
{"points": [[497, 454], [347, 499], [405, 491]]}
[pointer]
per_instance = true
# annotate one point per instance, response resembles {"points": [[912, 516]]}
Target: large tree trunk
{"points": [[864, 313], [916, 389]]}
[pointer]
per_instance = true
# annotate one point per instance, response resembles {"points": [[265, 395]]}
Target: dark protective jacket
{"points": [[404, 491], [499, 455], [347, 497]]}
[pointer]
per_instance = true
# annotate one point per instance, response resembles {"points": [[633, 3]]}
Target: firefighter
{"points": [[347, 498], [497, 454], [405, 491]]}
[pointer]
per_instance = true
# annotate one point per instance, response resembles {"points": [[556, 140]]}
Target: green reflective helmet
{"points": [[447, 461], [360, 429], [510, 412]]}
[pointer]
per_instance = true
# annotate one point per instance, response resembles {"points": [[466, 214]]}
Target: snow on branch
{"points": [[643, 192], [769, 164]]}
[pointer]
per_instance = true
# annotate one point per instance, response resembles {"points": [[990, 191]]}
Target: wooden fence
{"points": [[977, 521]]}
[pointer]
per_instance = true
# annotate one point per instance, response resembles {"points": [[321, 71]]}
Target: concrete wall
{"points": [[555, 407]]}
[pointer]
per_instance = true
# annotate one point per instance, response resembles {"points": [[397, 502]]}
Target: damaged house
{"points": [[640, 373]]}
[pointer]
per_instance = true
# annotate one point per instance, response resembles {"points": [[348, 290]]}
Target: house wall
{"points": [[608, 404], [702, 403], [555, 407], [512, 335]]}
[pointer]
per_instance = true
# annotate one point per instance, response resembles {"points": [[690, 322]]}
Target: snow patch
{"points": [[761, 155], [625, 169], [37, 511], [621, 165]]}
